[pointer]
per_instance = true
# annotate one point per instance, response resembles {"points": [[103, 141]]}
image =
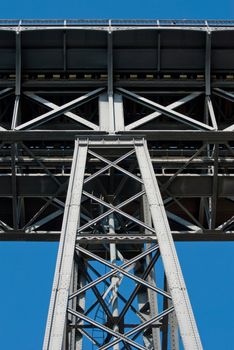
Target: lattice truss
{"points": [[118, 282], [153, 124], [195, 177], [162, 110], [116, 265]]}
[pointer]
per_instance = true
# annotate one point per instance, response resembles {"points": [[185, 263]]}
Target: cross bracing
{"points": [[149, 106]]}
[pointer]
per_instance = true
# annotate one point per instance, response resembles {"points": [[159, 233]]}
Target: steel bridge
{"points": [[117, 138]]}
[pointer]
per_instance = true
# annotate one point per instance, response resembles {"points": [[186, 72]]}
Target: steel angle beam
{"points": [[219, 136], [70, 115], [140, 327], [59, 110], [165, 110], [155, 115], [6, 92], [224, 94], [188, 329], [211, 112], [115, 269], [59, 298], [124, 272], [178, 236]]}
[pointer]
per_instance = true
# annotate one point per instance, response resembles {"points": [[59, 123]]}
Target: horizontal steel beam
{"points": [[182, 186], [158, 135], [54, 236]]}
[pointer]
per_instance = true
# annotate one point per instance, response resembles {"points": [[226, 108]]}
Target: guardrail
{"points": [[118, 22]]}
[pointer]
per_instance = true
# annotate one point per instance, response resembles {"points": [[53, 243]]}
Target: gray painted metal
{"points": [[59, 298], [111, 84], [183, 309], [57, 331]]}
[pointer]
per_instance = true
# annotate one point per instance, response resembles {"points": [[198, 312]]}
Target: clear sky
{"points": [[26, 269], [117, 9]]}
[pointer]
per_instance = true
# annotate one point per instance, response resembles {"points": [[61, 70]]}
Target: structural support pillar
{"points": [[59, 298], [188, 329], [66, 315]]}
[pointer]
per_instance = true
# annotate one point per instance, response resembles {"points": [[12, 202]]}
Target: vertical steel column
{"points": [[153, 302], [208, 63], [114, 279], [110, 81], [14, 146], [59, 298], [174, 334], [15, 116], [183, 309]]}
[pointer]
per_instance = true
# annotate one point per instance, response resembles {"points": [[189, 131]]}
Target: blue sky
{"points": [[26, 269], [117, 9]]}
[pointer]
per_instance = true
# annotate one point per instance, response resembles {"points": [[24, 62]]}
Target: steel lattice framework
{"points": [[117, 140]]}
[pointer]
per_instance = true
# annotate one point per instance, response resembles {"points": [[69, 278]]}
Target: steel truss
{"points": [[69, 319], [194, 166], [153, 126]]}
